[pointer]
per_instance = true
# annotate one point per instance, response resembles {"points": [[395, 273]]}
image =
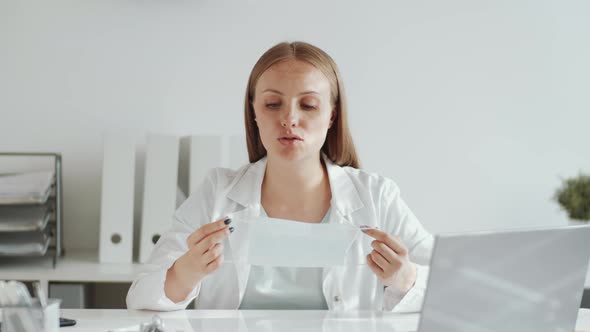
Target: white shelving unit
{"points": [[78, 266]]}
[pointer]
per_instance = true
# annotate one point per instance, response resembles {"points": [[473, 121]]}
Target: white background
{"points": [[475, 108]]}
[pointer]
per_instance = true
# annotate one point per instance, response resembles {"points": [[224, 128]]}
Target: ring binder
{"points": [[160, 186], [117, 197]]}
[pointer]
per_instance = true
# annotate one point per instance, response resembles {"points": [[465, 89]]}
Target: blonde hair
{"points": [[338, 146]]}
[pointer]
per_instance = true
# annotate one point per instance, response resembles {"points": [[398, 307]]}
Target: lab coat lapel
{"points": [[238, 246], [245, 192], [345, 201]]}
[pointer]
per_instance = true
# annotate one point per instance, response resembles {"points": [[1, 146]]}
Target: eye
{"points": [[308, 107], [273, 105]]}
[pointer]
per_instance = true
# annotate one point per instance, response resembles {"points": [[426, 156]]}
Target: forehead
{"points": [[293, 76]]}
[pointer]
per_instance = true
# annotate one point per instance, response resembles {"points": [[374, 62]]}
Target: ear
{"points": [[252, 108], [332, 117]]}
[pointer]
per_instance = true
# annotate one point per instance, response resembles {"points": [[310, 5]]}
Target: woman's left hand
{"points": [[390, 262]]}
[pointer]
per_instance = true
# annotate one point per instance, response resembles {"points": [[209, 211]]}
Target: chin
{"points": [[292, 155]]}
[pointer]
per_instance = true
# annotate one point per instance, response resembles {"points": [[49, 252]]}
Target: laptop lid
{"points": [[518, 280]]}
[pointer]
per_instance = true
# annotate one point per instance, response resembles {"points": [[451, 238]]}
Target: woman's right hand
{"points": [[204, 256]]}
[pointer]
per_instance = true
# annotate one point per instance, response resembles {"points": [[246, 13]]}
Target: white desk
{"points": [[257, 321]]}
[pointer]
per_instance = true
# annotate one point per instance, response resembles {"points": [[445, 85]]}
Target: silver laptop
{"points": [[524, 280]]}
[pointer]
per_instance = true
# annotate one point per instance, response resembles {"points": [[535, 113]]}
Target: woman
{"points": [[303, 167]]}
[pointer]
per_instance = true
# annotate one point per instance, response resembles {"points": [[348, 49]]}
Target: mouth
{"points": [[290, 138]]}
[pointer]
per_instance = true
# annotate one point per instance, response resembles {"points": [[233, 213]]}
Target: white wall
{"points": [[475, 108]]}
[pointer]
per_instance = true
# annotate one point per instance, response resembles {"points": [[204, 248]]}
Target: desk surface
{"points": [[255, 321]]}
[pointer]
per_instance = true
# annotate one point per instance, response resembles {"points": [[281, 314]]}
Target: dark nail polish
{"points": [[227, 221], [231, 229]]}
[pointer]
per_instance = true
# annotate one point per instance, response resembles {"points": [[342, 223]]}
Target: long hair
{"points": [[338, 146]]}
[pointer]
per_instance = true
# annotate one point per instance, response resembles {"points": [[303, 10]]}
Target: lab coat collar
{"points": [[246, 191]]}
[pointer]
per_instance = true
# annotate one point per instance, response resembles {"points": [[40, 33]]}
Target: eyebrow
{"points": [[280, 93]]}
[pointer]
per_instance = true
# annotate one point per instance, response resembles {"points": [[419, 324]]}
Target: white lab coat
{"points": [[358, 198]]}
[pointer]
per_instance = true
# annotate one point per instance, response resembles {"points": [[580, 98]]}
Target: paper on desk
{"points": [[278, 242]]}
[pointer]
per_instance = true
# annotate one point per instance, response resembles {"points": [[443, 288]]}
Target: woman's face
{"points": [[293, 110]]}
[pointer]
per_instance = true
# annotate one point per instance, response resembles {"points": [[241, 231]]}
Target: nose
{"points": [[290, 119], [287, 124]]}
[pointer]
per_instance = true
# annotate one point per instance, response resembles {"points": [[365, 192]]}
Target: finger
{"points": [[374, 267], [214, 265], [229, 228], [212, 239], [205, 230], [380, 260], [213, 253], [385, 251], [395, 244]]}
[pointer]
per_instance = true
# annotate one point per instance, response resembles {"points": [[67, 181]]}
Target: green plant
{"points": [[574, 197]]}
